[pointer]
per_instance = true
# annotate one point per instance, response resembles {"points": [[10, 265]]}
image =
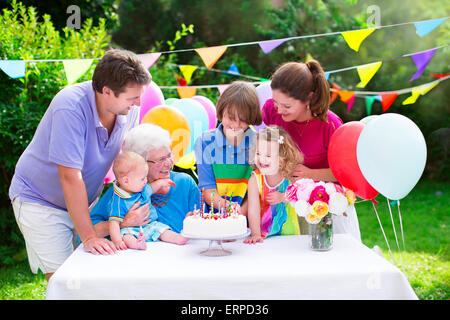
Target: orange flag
{"points": [[387, 99], [210, 55], [186, 92], [334, 93], [346, 95]]}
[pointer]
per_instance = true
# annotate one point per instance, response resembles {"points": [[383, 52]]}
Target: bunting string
{"points": [[425, 23], [329, 72]]}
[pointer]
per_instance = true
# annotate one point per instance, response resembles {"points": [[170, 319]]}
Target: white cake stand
{"points": [[215, 248]]}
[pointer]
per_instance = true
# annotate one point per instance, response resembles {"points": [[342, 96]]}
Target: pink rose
{"points": [[319, 194], [291, 193], [304, 188]]}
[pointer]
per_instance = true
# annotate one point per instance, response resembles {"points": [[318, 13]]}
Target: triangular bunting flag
{"points": [[423, 89], [421, 60], [13, 68], [76, 68], [366, 73], [308, 57], [233, 69], [425, 27], [269, 45], [186, 92], [222, 88], [355, 38], [411, 99], [334, 92], [187, 71], [148, 59], [210, 55], [263, 79], [350, 103], [180, 80], [418, 91], [369, 103], [439, 75], [387, 99], [327, 75], [346, 95]]}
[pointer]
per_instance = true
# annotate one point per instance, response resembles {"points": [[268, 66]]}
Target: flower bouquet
{"points": [[317, 202]]}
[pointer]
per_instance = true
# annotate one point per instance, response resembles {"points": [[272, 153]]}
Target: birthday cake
{"points": [[214, 225]]}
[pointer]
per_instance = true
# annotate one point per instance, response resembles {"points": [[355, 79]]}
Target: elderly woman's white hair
{"points": [[146, 137]]}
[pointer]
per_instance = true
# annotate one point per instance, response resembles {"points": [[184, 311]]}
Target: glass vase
{"points": [[322, 234]]}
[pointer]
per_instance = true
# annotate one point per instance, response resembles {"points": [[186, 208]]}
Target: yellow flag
{"points": [[187, 161], [76, 68], [186, 92], [308, 57], [354, 38], [423, 89], [366, 73], [413, 98], [418, 91], [210, 55], [187, 71]]}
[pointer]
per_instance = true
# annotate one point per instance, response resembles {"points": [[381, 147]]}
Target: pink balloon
{"points": [[151, 97], [210, 110]]}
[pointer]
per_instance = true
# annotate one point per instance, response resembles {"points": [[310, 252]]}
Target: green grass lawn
{"points": [[426, 218]]}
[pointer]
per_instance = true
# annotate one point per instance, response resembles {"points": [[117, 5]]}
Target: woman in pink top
{"points": [[300, 105]]}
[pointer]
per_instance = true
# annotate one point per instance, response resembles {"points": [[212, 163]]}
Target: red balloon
{"points": [[343, 161]]}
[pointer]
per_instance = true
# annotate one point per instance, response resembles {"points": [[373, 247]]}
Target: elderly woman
{"points": [[177, 195]]}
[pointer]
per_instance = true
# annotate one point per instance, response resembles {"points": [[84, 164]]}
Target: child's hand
{"points": [[189, 214], [275, 197], [254, 238], [120, 244]]}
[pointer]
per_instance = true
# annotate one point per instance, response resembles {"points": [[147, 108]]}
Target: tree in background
{"points": [[93, 9]]}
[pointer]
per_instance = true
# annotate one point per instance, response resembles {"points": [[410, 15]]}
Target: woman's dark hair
{"points": [[298, 80]]}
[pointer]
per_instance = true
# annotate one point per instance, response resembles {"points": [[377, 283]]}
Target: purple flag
{"points": [[269, 45], [421, 60]]}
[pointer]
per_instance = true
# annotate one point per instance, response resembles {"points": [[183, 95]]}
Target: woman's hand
{"points": [[275, 197], [96, 245], [301, 172], [136, 216], [254, 238]]}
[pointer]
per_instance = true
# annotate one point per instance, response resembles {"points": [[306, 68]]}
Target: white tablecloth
{"points": [[280, 268]]}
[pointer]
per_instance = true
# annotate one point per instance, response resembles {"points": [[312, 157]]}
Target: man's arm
{"points": [[75, 196]]}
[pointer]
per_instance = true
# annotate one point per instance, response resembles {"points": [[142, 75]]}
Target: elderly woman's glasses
{"points": [[162, 160]]}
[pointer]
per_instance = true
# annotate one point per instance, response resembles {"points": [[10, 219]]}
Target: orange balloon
{"points": [[171, 119]]}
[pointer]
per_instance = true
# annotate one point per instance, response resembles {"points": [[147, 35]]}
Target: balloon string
{"points": [[401, 224], [395, 234], [387, 242], [403, 236]]}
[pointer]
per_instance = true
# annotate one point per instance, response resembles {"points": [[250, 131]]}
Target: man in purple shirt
{"points": [[60, 174]]}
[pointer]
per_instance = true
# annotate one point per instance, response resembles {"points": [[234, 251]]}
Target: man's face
{"points": [[122, 104]]}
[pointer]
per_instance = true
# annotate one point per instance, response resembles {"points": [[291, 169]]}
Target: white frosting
{"points": [[234, 225]]}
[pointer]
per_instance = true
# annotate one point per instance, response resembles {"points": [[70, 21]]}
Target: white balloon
{"points": [[391, 153]]}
